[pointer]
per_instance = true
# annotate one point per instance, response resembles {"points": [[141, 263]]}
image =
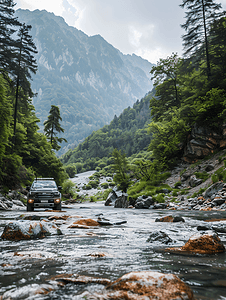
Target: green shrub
{"points": [[104, 185], [94, 183], [203, 175], [198, 193], [175, 193], [68, 187], [214, 178], [178, 183], [160, 198], [71, 170], [87, 187]]}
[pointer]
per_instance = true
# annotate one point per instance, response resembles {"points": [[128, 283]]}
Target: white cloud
{"points": [[55, 6], [148, 28]]}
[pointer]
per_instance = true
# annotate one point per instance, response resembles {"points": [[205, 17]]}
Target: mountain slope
{"points": [[127, 133], [86, 77]]}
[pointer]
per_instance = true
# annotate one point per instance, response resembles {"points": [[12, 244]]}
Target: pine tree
{"points": [[8, 25], [24, 64], [200, 14], [52, 127]]}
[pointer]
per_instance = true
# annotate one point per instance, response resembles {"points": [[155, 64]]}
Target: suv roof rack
{"points": [[44, 179]]}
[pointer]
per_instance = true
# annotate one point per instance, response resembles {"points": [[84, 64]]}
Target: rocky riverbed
{"points": [[93, 251]]}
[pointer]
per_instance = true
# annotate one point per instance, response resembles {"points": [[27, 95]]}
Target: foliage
{"points": [[120, 166], [52, 127], [71, 170], [32, 155], [199, 16], [203, 175], [68, 187], [127, 133], [166, 80]]}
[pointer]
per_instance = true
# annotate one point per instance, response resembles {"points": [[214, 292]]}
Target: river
{"points": [[24, 265]]}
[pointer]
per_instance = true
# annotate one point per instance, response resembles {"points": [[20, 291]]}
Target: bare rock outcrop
{"points": [[202, 141]]}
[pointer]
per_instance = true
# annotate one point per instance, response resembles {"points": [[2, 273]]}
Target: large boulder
{"points": [[213, 189], [26, 230], [144, 202], [118, 199], [144, 285], [122, 202], [110, 201], [207, 243]]}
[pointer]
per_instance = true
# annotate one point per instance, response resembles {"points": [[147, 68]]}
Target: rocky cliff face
{"points": [[85, 76], [203, 141]]}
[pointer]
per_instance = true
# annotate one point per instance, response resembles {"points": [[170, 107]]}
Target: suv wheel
{"points": [[30, 208], [57, 207]]}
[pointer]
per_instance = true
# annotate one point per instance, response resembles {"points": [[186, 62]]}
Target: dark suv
{"points": [[44, 193]]}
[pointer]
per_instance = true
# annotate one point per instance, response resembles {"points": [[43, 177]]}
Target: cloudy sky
{"points": [[148, 28]]}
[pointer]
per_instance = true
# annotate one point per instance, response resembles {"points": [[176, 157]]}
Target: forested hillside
{"points": [[188, 109], [24, 152], [86, 77], [127, 133]]}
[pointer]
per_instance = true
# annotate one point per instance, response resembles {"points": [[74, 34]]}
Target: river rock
{"points": [[144, 202], [194, 181], [159, 236], [214, 188], [84, 224], [159, 206], [26, 230], [118, 199], [3, 205], [170, 219], [207, 243], [122, 202], [105, 222], [144, 285]]}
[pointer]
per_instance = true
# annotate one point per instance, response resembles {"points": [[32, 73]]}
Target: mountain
{"points": [[89, 79], [128, 133]]}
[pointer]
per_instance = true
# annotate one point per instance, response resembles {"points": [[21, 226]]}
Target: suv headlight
{"points": [[57, 201]]}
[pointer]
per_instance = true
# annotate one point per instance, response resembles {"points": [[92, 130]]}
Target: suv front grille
{"points": [[44, 197]]}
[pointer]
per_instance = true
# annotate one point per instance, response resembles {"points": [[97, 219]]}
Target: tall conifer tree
{"points": [[199, 16], [8, 25], [52, 127], [24, 63]]}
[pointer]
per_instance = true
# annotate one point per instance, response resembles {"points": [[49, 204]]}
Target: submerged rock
{"points": [[159, 236], [26, 230], [104, 221], [84, 224], [207, 243], [170, 219]]}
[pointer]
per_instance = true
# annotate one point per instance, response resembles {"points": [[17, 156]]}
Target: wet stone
{"points": [[159, 236], [207, 243], [25, 230], [144, 285], [170, 219]]}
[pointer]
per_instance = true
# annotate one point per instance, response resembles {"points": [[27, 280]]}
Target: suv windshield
{"points": [[44, 184]]}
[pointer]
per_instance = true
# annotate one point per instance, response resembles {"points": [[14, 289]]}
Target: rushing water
{"points": [[24, 265]]}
